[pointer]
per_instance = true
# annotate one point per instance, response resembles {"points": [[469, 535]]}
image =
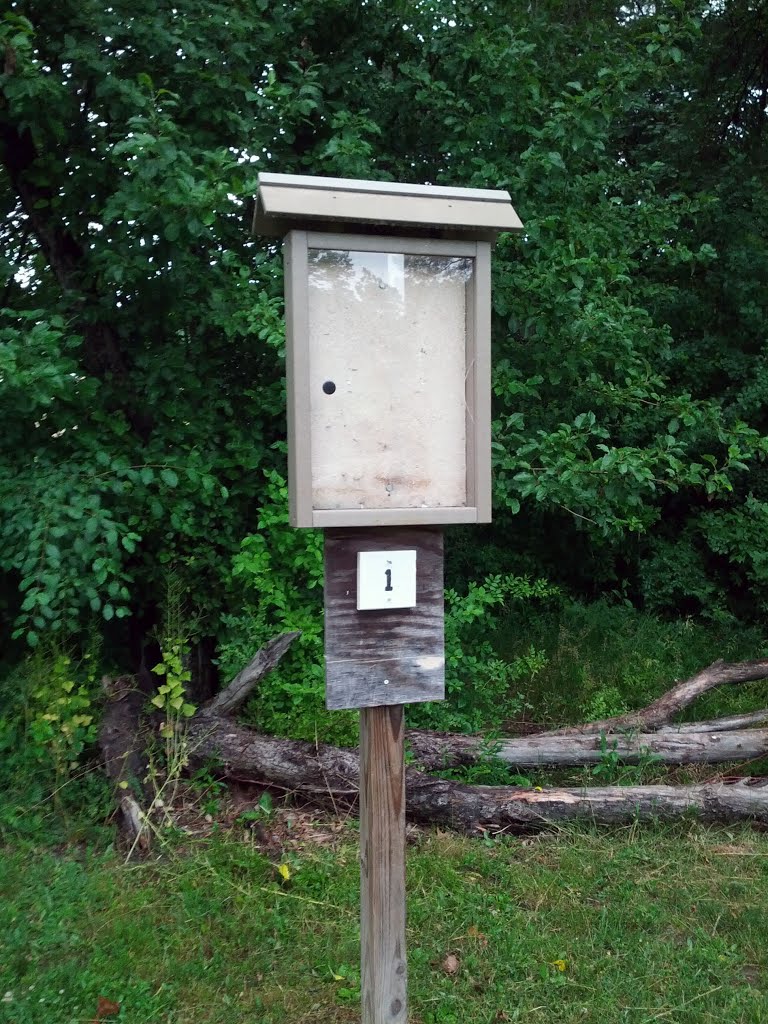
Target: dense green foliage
{"points": [[141, 373], [604, 659]]}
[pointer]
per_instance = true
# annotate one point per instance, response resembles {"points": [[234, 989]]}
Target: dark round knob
{"points": [[329, 387]]}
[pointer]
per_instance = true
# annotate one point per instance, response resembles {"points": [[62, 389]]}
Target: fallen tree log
{"points": [[329, 775], [725, 724], [434, 751], [505, 808], [633, 736]]}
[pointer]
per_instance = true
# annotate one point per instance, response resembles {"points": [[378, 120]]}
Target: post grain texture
{"points": [[382, 865], [392, 656]]}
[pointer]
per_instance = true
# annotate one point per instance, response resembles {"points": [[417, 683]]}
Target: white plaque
{"points": [[386, 579]]}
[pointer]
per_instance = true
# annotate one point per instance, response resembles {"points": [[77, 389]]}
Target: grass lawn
{"points": [[636, 925]]}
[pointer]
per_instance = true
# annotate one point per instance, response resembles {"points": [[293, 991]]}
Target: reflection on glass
{"points": [[390, 330]]}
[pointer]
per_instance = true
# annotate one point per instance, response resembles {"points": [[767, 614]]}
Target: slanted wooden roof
{"points": [[287, 201]]}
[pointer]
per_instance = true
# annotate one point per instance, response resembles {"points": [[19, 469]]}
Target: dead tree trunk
{"points": [[434, 751], [329, 775], [122, 748]]}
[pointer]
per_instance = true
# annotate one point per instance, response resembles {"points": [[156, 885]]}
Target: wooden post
{"points": [[382, 865]]}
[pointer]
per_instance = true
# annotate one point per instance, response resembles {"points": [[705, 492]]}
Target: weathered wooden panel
{"points": [[383, 657]]}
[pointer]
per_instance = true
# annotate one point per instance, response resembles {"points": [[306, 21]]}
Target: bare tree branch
{"points": [[660, 711], [232, 697]]}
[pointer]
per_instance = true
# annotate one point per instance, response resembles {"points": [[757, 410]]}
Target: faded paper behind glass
{"points": [[390, 332]]}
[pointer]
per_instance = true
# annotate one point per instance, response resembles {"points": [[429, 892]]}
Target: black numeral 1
{"points": [[388, 574]]}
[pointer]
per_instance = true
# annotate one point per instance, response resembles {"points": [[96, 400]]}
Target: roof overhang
{"points": [[289, 201]]}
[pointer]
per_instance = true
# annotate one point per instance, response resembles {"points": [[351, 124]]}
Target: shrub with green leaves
{"points": [[277, 587], [141, 325], [50, 707], [141, 328], [63, 713], [480, 683]]}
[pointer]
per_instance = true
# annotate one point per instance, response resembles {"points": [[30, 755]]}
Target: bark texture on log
{"points": [[525, 810], [330, 776], [434, 751], [122, 747], [321, 771]]}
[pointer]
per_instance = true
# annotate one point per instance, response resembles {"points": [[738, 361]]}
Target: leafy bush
{"points": [[50, 705], [51, 709], [479, 682]]}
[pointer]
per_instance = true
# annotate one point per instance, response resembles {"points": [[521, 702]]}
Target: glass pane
{"points": [[388, 379]]}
